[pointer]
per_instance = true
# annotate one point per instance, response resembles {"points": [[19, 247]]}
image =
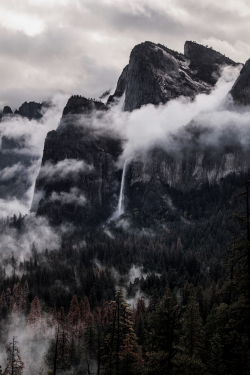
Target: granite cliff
{"points": [[89, 193], [96, 179], [15, 160], [156, 74]]}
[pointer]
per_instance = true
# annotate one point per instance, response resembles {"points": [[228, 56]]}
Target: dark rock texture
{"points": [[149, 183], [15, 160], [155, 74], [31, 110], [77, 139], [6, 112], [120, 88], [105, 94], [14, 168], [241, 89], [78, 105], [205, 62]]}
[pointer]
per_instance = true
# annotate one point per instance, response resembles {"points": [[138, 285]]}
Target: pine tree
{"points": [[63, 340], [190, 356], [130, 356], [162, 335], [140, 309], [26, 293], [84, 310], [35, 317], [73, 318], [15, 365], [216, 361], [89, 341], [233, 317], [120, 330], [51, 359], [18, 296], [101, 316]]}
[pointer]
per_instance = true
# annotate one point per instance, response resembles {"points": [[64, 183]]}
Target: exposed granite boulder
{"points": [[241, 88], [205, 62]]}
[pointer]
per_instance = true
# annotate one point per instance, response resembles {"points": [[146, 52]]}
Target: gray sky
{"points": [[81, 46]]}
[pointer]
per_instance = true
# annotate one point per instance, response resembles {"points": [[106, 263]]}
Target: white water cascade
{"points": [[121, 197]]}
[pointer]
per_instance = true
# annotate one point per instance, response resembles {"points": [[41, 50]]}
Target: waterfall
{"points": [[121, 197]]}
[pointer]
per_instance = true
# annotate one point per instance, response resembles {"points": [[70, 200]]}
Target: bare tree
{"points": [[15, 365]]}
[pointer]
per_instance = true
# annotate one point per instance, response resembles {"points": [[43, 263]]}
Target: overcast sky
{"points": [[81, 46]]}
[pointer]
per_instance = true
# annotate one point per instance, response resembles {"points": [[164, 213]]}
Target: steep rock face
{"points": [[155, 74], [79, 181], [120, 88], [15, 161], [78, 176], [14, 168], [149, 182], [241, 89], [205, 62], [78, 105]]}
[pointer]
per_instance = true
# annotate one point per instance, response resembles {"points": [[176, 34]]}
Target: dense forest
{"points": [[164, 294]]}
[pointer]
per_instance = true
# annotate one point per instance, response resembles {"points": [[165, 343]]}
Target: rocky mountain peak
{"points": [[31, 110], [6, 111], [156, 74], [79, 105]]}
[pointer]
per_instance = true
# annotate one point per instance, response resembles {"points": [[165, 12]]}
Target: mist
{"points": [[26, 157]]}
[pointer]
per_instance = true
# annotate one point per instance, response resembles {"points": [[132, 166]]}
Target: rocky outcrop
{"points": [[78, 105], [15, 161], [79, 181], [241, 89], [156, 74], [78, 174], [6, 112], [32, 110], [205, 63], [149, 182], [120, 88], [14, 168]]}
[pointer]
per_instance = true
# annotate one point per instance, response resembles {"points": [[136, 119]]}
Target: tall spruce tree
{"points": [[121, 336], [189, 359], [162, 335]]}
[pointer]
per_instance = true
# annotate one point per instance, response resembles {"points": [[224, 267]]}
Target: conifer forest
{"points": [[78, 310]]}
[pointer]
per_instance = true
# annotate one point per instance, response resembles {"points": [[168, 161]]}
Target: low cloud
{"points": [[63, 169], [36, 231], [22, 164], [73, 197]]}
